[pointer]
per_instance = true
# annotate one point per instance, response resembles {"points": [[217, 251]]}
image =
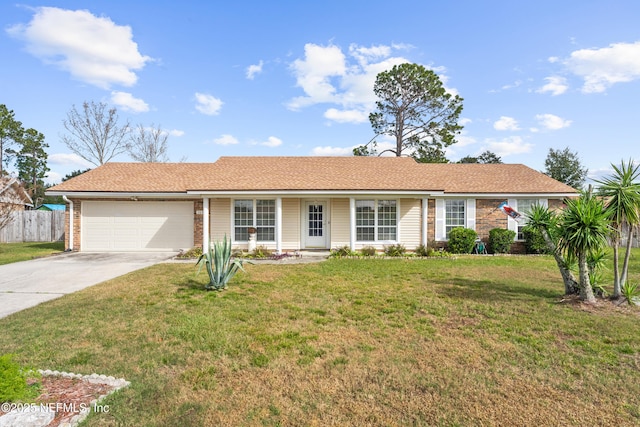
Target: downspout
{"points": [[70, 248]]}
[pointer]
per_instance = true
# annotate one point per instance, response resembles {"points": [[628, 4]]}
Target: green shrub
{"points": [[261, 252], [423, 250], [14, 381], [191, 253], [341, 251], [534, 242], [500, 240], [368, 251], [631, 293], [395, 250], [461, 240]]}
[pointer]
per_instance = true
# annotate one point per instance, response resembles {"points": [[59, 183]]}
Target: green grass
{"points": [[470, 341], [15, 252]]}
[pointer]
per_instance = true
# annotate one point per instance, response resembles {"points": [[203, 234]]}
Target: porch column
{"points": [[279, 225], [352, 223], [425, 223], [205, 224]]}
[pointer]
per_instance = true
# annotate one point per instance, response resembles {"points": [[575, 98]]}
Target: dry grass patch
{"points": [[472, 341]]}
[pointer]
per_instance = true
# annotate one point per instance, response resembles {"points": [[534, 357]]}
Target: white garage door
{"points": [[137, 226]]}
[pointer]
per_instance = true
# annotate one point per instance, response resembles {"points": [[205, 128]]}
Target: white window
{"points": [[454, 215], [376, 220], [523, 206], [258, 214]]}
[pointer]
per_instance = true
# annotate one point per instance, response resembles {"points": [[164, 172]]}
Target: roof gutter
{"points": [[312, 193], [120, 194], [64, 197]]}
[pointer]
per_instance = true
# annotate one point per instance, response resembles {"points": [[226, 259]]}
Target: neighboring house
{"points": [[51, 207], [294, 202], [13, 195]]}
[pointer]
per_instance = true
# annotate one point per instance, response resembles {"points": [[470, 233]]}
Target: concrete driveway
{"points": [[28, 283]]}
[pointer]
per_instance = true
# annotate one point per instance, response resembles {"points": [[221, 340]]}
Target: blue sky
{"points": [[296, 77]]}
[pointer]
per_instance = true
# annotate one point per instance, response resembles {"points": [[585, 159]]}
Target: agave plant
{"points": [[220, 267]]}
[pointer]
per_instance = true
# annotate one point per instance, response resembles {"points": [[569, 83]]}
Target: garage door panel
{"points": [[137, 226]]}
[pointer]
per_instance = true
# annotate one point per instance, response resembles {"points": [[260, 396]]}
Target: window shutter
{"points": [[511, 223], [471, 213], [440, 232]]}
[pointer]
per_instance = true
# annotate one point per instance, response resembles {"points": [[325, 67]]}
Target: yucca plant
{"points": [[220, 267], [583, 231], [630, 292]]}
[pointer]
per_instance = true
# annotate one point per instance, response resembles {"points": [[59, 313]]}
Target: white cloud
{"points": [[346, 116], [506, 123], [332, 151], [272, 141], [313, 74], [127, 102], [226, 139], [552, 122], [69, 159], [365, 55], [53, 177], [464, 121], [208, 104], [555, 85], [515, 84], [553, 59], [176, 132], [604, 67], [508, 146], [92, 49], [328, 75], [252, 70], [464, 140]]}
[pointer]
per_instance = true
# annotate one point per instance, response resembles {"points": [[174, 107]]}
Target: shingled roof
{"points": [[245, 174]]}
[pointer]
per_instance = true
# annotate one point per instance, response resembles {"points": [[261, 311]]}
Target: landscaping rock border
{"points": [[36, 416]]}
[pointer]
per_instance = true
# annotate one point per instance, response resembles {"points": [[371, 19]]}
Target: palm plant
{"points": [[220, 267], [584, 228], [545, 221], [622, 191]]}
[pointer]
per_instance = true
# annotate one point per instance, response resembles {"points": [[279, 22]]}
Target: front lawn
{"points": [[15, 252], [470, 341]]}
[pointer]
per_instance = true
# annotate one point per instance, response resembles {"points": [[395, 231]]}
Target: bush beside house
{"points": [[500, 240], [461, 240]]}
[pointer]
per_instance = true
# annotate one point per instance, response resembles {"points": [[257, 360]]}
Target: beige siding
{"points": [[291, 224], [410, 224], [339, 222], [220, 214]]}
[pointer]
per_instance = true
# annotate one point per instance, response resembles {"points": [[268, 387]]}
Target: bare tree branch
{"points": [[95, 134], [148, 145]]}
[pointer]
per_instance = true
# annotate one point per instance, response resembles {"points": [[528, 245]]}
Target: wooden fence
{"points": [[34, 226]]}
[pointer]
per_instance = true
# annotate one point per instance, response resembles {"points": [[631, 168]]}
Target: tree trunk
{"points": [[571, 285], [616, 270], [586, 292], [625, 265]]}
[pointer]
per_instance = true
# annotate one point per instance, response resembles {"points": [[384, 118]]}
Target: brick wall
{"points": [[197, 223], [488, 217]]}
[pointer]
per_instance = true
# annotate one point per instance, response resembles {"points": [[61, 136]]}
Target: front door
{"points": [[316, 225]]}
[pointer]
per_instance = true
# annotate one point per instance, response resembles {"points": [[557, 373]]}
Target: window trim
{"points": [[464, 217], [254, 219], [376, 221], [519, 226]]}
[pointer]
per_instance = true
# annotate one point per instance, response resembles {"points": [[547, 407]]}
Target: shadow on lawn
{"points": [[46, 245], [488, 290], [190, 285]]}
